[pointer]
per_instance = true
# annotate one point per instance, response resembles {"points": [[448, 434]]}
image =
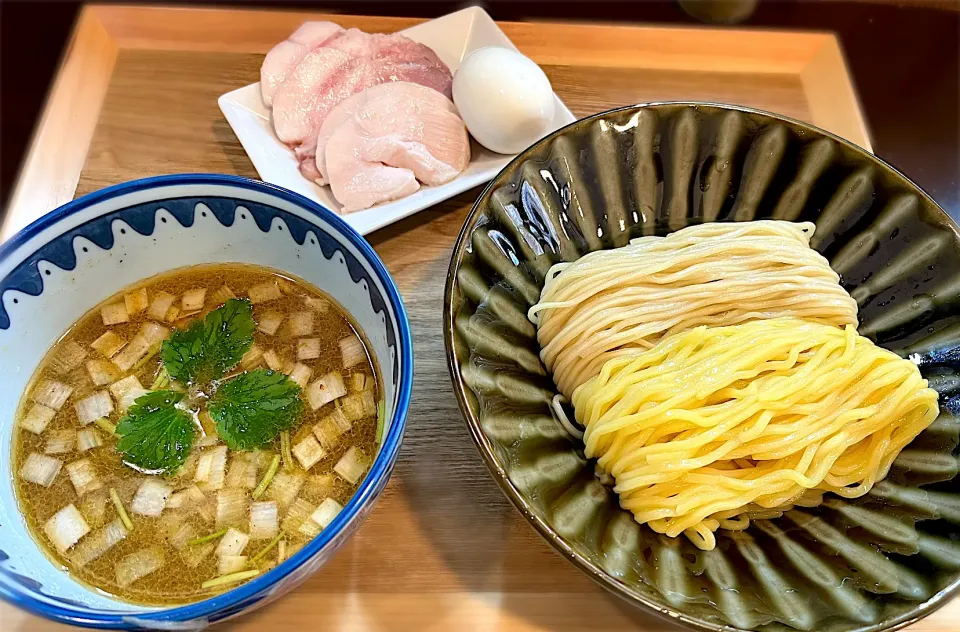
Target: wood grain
{"points": [[799, 74], [668, 48], [443, 550]]}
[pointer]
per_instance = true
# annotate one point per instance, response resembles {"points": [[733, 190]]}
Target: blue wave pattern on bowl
{"points": [[868, 564], [142, 218], [97, 236]]}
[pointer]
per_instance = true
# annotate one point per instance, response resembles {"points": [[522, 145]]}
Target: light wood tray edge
{"points": [[49, 175]]}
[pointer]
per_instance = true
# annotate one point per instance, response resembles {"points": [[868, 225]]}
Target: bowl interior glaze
{"points": [[873, 563], [66, 263]]}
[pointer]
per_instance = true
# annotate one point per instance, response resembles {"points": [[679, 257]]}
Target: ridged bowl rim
{"points": [[483, 445]]}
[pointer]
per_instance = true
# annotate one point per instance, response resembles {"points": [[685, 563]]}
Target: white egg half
{"points": [[504, 99]]}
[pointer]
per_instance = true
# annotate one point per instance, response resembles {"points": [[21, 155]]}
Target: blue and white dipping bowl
{"points": [[67, 262]]}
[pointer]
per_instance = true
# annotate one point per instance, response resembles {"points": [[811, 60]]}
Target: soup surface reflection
{"points": [[195, 430]]}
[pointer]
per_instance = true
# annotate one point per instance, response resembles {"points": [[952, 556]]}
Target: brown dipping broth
{"points": [[184, 570]]}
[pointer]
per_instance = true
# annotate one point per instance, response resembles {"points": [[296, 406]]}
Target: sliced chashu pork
{"points": [[284, 57], [397, 58], [396, 138], [306, 96], [300, 108], [349, 108]]}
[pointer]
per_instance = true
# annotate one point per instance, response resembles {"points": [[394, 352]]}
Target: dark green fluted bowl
{"points": [[875, 563]]}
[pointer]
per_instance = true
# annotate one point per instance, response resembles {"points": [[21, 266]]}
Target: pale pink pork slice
{"points": [[397, 58], [348, 108], [302, 101], [356, 75], [284, 57], [402, 59], [395, 139], [377, 59], [321, 81], [356, 42]]}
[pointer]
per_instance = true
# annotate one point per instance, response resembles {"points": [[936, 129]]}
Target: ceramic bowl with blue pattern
{"points": [[64, 264]]}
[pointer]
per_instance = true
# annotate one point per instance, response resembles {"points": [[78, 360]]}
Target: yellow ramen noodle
{"points": [[717, 425], [613, 302]]}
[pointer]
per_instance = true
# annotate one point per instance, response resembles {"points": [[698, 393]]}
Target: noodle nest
{"points": [[610, 303], [718, 425]]}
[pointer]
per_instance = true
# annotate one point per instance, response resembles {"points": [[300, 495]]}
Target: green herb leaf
{"points": [[155, 435], [209, 348], [254, 407]]}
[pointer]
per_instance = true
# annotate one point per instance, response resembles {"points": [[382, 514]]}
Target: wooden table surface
{"points": [[443, 550]]}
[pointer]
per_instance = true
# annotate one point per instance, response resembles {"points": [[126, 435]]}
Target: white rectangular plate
{"points": [[453, 37]]}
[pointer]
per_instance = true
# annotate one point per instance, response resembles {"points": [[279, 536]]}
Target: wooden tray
{"points": [[137, 96]]}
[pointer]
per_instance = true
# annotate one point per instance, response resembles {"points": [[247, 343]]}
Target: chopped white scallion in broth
{"points": [[37, 418], [186, 498], [285, 487], [295, 515], [222, 294], [151, 497], [126, 391], [358, 405], [264, 520], [71, 356], [66, 527], [103, 372], [61, 441], [94, 507], [40, 469], [52, 394], [242, 471], [252, 358], [231, 564], [300, 373], [138, 565], [114, 314], [87, 439], [309, 349], [325, 390], [270, 323], [108, 344], [84, 477], [273, 360], [309, 452], [300, 323], [318, 305], [135, 351], [264, 292], [326, 512], [233, 542], [352, 465], [232, 507], [136, 301], [212, 468], [192, 300], [94, 406], [329, 429], [353, 351], [224, 515], [96, 544], [161, 304]]}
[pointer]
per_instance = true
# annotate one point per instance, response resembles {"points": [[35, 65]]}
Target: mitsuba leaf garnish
{"points": [[155, 435], [252, 409], [207, 349]]}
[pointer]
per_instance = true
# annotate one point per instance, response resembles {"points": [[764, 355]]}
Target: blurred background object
{"points": [[719, 11], [903, 56]]}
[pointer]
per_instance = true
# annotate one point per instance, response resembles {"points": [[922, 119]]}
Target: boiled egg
{"points": [[504, 99]]}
